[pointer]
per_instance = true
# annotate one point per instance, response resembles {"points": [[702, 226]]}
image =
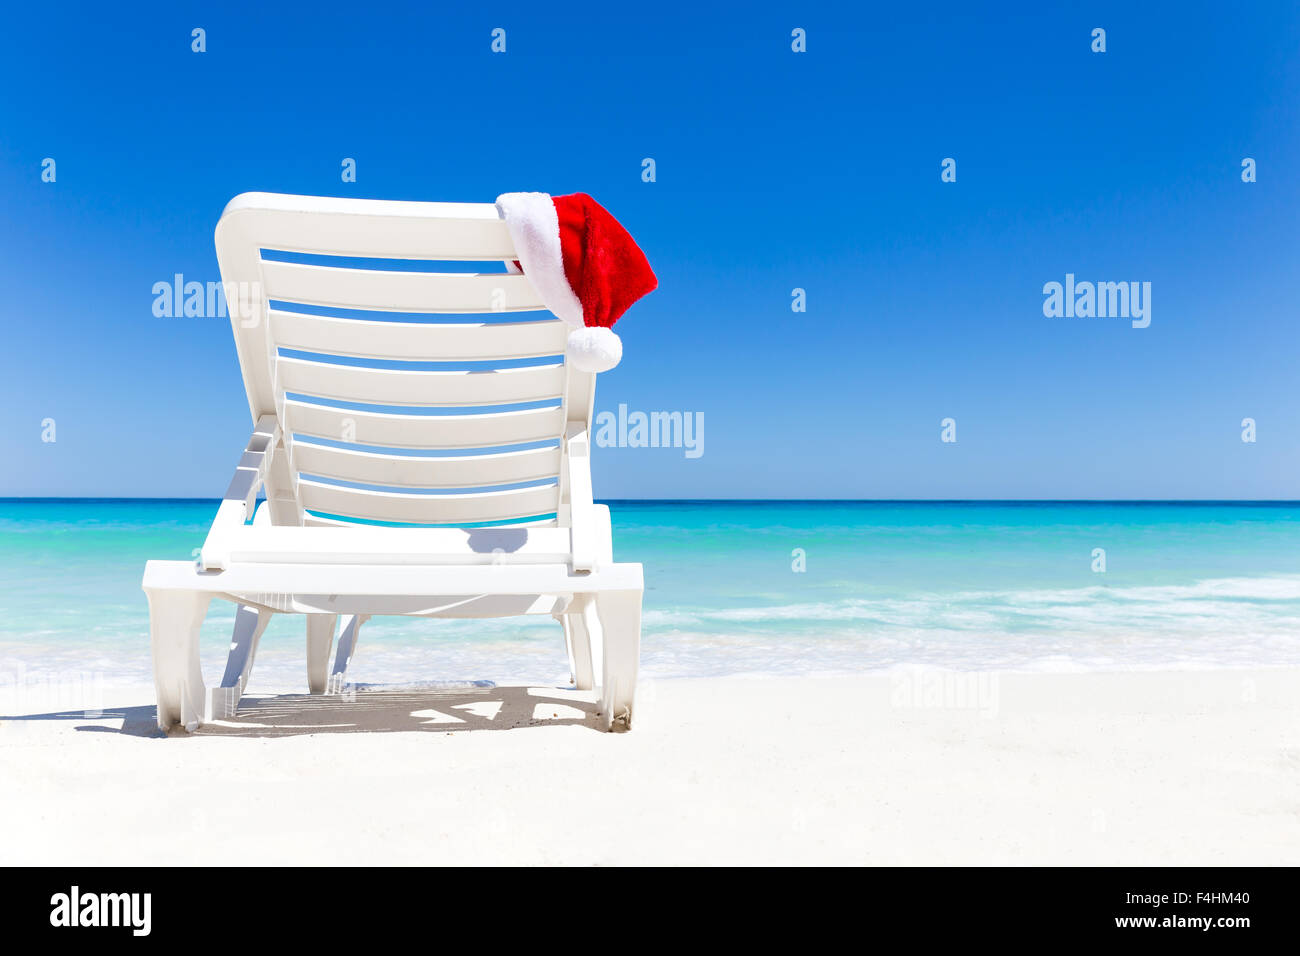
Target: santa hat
{"points": [[583, 264]]}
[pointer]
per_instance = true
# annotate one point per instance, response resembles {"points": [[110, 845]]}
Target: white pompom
{"points": [[594, 348]]}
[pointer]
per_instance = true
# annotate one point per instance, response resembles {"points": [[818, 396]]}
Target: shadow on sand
{"points": [[363, 710]]}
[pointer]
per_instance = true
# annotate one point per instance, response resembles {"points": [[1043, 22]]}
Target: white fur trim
{"points": [[535, 229], [594, 348]]}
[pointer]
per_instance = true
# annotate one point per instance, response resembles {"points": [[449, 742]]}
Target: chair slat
{"points": [[377, 290], [428, 509], [366, 228], [394, 430], [382, 386], [462, 471], [418, 341], [316, 521]]}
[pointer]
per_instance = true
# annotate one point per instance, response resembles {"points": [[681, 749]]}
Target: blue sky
{"points": [[775, 170]]}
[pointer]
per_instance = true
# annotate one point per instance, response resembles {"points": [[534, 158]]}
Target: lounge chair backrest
{"points": [[401, 396]]}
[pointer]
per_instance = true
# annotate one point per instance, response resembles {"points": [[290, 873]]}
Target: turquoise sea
{"points": [[970, 585]]}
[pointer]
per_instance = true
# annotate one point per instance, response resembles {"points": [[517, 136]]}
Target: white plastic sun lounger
{"points": [[458, 492]]}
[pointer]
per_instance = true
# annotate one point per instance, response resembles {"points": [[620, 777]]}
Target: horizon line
{"points": [[19, 499]]}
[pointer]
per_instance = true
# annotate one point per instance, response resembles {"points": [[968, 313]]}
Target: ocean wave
{"points": [[1213, 623], [1209, 598]]}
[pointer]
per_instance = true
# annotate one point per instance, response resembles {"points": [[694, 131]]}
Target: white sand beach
{"points": [[916, 767]]}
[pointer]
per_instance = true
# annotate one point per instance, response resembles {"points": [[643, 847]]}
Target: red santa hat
{"points": [[583, 264]]}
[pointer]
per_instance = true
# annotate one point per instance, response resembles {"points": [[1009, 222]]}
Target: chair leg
{"points": [[579, 639], [175, 618], [250, 622], [595, 638], [620, 623], [563, 621], [347, 646], [320, 638]]}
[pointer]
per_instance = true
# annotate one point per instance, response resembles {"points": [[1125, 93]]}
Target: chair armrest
{"points": [[241, 495]]}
